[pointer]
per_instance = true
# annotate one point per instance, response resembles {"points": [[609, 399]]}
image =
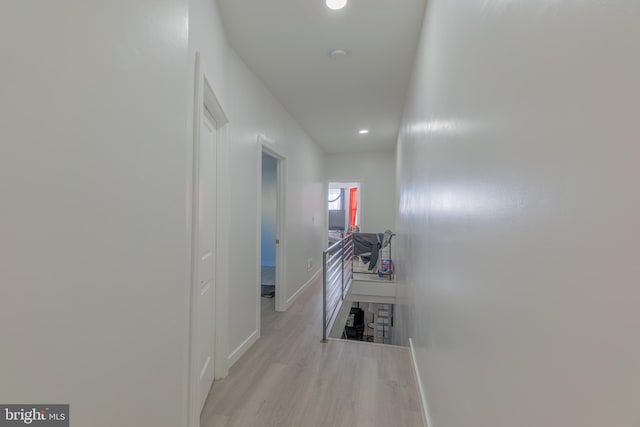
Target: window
{"points": [[335, 199]]}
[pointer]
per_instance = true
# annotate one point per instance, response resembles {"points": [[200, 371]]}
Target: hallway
{"points": [[288, 378], [498, 139]]}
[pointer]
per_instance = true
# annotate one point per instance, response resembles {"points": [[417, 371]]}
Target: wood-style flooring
{"points": [[289, 378]]}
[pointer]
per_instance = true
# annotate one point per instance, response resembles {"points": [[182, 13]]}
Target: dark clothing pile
{"points": [[370, 244]]}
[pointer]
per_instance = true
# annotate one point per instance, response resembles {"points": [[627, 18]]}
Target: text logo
{"points": [[34, 415]]}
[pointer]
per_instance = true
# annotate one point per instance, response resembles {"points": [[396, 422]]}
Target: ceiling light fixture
{"points": [[363, 131], [338, 54], [336, 4]]}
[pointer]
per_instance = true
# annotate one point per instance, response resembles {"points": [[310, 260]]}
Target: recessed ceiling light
{"points": [[363, 131], [336, 4], [338, 53]]}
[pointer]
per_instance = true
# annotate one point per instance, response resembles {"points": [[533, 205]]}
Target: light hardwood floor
{"points": [[289, 378]]}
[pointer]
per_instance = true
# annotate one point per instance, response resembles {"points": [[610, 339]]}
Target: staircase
{"points": [[346, 279]]}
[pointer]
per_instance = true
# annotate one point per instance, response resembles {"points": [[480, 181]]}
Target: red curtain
{"points": [[353, 206]]}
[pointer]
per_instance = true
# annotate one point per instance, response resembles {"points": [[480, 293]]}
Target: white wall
{"points": [[206, 35], [254, 111], [518, 214], [375, 171], [269, 210], [92, 232]]}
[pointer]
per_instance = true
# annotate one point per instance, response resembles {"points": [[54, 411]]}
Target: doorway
{"points": [[208, 216], [269, 225], [343, 209], [271, 230]]}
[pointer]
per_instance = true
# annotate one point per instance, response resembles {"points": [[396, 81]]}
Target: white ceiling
{"points": [[287, 44]]}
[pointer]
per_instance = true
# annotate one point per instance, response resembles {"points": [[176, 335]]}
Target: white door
{"points": [[206, 257]]}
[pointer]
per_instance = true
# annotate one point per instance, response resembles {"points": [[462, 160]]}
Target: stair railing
{"points": [[337, 275]]}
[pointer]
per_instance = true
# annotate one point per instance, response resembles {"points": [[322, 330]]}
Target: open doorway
{"points": [[269, 225], [343, 206], [272, 180]]}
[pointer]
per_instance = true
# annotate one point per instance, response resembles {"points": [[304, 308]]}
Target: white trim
{"points": [[211, 104], [423, 397], [297, 293], [205, 99], [242, 348], [192, 392], [223, 215], [258, 259]]}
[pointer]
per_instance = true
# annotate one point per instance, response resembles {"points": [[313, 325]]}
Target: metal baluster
{"points": [[324, 296], [342, 269]]}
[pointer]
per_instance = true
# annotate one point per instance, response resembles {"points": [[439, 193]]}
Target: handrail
{"points": [[334, 288]]}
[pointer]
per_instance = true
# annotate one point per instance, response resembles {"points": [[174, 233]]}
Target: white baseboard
{"points": [[297, 293], [423, 397], [242, 348]]}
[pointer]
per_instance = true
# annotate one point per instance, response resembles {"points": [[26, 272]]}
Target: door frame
{"points": [[205, 102], [267, 146]]}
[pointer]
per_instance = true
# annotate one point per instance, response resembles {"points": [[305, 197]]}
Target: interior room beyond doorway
{"points": [[343, 206], [269, 226]]}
